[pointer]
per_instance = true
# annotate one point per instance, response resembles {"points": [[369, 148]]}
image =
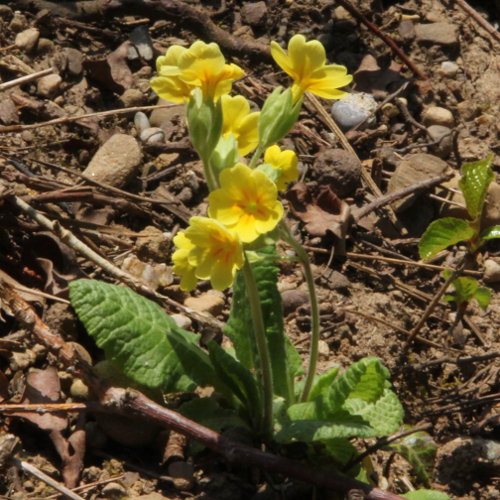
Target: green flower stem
{"points": [[209, 175], [313, 350], [261, 342], [256, 156]]}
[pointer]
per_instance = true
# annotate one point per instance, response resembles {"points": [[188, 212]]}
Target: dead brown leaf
{"points": [[322, 211]]}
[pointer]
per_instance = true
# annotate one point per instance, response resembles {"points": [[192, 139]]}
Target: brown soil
{"points": [[367, 304]]}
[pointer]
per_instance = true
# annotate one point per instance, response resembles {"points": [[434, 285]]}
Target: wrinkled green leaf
{"points": [[483, 297], [323, 382], [490, 233], [426, 495], [286, 363], [237, 378], [359, 403], [420, 450], [132, 331], [476, 177], [443, 233]]}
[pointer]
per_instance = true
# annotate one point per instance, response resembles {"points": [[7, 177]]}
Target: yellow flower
{"points": [[240, 122], [286, 161], [246, 202], [202, 65], [182, 267], [217, 252], [305, 63]]}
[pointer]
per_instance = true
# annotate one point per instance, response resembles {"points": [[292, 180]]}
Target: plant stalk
{"points": [[255, 158], [313, 350], [261, 343], [209, 176]]}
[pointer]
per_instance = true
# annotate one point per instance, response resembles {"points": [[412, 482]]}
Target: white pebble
{"points": [[353, 109], [449, 68]]}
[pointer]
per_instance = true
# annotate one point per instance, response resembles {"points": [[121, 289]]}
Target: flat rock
{"points": [[116, 162], [207, 302], [27, 39], [74, 59], [413, 169], [353, 109], [444, 34], [444, 136], [254, 13]]}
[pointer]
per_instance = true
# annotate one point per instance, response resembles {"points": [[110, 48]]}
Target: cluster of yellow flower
{"points": [[245, 205]]}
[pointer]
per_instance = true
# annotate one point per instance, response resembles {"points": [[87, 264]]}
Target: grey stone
{"points": [[449, 68], [254, 14], [436, 115], [353, 109], [293, 299], [413, 169], [444, 34], [152, 135], [116, 162], [407, 30], [339, 169], [132, 97], [27, 39], [74, 61], [114, 490], [8, 111], [164, 117], [444, 136], [142, 43], [49, 85]]}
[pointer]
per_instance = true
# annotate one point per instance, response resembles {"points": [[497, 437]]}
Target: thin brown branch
{"points": [[385, 38], [478, 18], [25, 79]]}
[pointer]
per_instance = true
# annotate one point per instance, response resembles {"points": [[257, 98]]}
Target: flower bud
{"points": [[278, 116], [225, 154], [204, 123]]}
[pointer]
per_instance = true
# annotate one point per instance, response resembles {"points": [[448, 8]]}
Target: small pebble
{"points": [[49, 85], [141, 121], [491, 271], [142, 43], [206, 302], [45, 46], [74, 61], [353, 109], [439, 33], [18, 22], [132, 97], [114, 490], [254, 14], [449, 69], [182, 321], [436, 115], [152, 135], [27, 39]]}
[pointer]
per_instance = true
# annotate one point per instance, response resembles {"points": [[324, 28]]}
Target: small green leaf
{"points": [[132, 331], [420, 450], [476, 177], [490, 233], [237, 378], [465, 288], [443, 233], [483, 297], [426, 495]]}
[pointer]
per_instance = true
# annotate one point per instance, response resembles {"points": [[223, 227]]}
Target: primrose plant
{"points": [[443, 233], [260, 379]]}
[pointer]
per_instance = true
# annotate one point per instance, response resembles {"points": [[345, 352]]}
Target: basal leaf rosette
{"points": [[285, 162], [207, 250], [240, 122], [247, 202], [305, 62], [201, 66]]}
